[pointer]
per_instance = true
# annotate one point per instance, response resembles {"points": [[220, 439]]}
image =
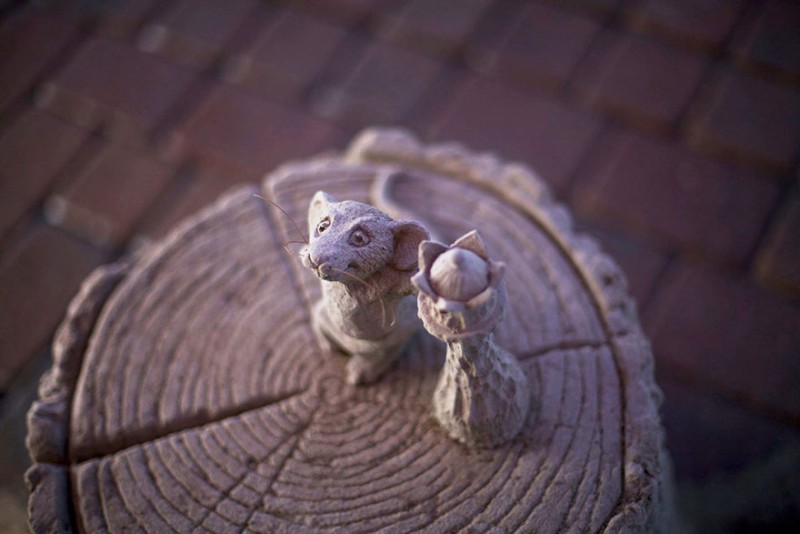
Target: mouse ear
{"points": [[407, 237], [318, 208]]}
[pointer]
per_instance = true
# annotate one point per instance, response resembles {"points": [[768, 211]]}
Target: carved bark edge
{"points": [[48, 417]]}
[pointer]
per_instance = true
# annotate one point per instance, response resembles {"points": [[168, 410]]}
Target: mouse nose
{"points": [[317, 258]]}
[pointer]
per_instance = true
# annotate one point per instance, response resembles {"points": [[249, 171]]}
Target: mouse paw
{"points": [[363, 370]]}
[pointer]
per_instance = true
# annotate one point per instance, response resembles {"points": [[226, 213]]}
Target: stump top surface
{"points": [[189, 393]]}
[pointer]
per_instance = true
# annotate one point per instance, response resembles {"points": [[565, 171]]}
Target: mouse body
{"points": [[364, 260]]}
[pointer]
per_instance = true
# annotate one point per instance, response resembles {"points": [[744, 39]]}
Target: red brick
{"points": [[670, 194], [109, 195], [772, 39], [778, 261], [534, 128], [258, 134], [708, 436], [201, 186], [32, 152], [29, 42], [383, 87], [605, 8], [38, 277], [426, 113], [348, 12], [640, 80], [121, 18], [195, 31], [117, 19], [437, 26], [725, 332], [286, 57], [750, 120], [699, 23], [115, 85], [543, 46], [640, 261]]}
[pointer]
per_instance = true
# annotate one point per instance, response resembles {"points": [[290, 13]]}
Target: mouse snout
{"points": [[316, 259], [324, 269], [320, 263]]}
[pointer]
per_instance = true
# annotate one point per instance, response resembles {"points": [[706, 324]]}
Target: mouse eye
{"points": [[358, 238], [323, 225]]}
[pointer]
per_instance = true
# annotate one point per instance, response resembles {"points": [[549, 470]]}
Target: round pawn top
{"points": [[459, 274]]}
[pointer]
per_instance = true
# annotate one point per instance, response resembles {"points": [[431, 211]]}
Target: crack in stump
{"points": [[200, 419]]}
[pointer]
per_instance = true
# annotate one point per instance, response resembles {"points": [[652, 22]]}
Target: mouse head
{"points": [[350, 241]]}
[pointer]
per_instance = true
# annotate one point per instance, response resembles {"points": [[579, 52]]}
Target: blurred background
{"points": [[670, 127]]}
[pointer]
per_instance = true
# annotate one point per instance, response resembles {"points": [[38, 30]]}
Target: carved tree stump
{"points": [[188, 392]]}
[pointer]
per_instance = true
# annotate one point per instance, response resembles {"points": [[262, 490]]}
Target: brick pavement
{"points": [[671, 127]]}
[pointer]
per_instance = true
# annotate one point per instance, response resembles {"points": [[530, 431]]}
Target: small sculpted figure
{"points": [[365, 260], [483, 394]]}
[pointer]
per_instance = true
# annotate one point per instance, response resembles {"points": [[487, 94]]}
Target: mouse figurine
{"points": [[365, 260]]}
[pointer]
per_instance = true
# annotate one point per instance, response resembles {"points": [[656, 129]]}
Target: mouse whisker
{"points": [[290, 252], [294, 223], [294, 252]]}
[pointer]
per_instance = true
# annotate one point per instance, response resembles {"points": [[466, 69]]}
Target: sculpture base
{"points": [[189, 390]]}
